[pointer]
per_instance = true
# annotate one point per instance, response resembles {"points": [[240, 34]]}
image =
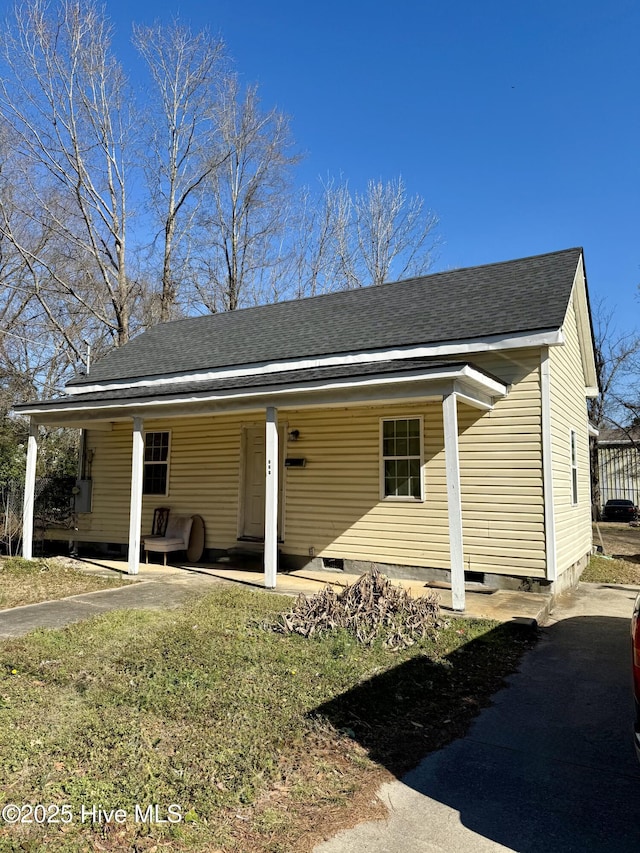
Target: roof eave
{"points": [[476, 387]]}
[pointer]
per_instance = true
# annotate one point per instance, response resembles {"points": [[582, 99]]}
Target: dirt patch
{"points": [[619, 540], [620, 561]]}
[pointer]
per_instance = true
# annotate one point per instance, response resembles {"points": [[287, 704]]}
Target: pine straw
{"points": [[370, 609]]}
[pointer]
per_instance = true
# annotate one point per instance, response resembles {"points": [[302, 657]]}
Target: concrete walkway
{"points": [[161, 593], [160, 586], [548, 768]]}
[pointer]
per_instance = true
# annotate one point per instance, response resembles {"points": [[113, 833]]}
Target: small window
{"points": [[156, 463], [574, 468], [401, 459]]}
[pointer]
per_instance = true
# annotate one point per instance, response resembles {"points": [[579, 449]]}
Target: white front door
{"points": [[253, 482]]}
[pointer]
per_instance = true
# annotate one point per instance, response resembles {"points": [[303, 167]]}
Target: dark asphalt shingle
{"points": [[525, 295], [267, 381]]}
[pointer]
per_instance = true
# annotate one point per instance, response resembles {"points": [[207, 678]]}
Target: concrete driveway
{"points": [[548, 768]]}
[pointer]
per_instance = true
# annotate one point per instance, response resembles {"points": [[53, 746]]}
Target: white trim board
{"points": [[475, 382]]}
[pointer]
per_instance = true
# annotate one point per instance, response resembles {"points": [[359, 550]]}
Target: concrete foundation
{"points": [[479, 581]]}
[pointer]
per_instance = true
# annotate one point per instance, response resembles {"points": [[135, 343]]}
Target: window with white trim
{"points": [[156, 463], [574, 467], [401, 459]]}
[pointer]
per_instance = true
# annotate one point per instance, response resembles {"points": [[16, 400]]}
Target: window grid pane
{"points": [[156, 446], [155, 479], [156, 457], [402, 458]]}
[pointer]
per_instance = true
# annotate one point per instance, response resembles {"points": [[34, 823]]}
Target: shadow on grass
{"points": [[549, 768], [420, 705], [629, 558]]}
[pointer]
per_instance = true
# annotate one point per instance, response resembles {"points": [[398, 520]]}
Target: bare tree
{"points": [[618, 367], [219, 170], [394, 232], [186, 69], [246, 213], [64, 98], [349, 241], [321, 252], [39, 335], [617, 356]]}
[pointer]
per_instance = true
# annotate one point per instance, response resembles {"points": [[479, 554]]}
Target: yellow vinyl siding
{"points": [[203, 478], [501, 472], [111, 482], [568, 411], [333, 506]]}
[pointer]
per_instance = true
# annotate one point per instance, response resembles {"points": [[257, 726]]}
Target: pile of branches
{"points": [[372, 608]]}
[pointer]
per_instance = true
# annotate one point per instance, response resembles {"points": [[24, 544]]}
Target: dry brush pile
{"points": [[372, 608]]}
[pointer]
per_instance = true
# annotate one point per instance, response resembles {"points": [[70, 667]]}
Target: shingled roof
{"points": [[512, 297]]}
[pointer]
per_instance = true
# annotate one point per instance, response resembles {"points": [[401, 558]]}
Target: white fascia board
{"points": [[487, 384], [585, 334], [254, 407], [423, 380], [549, 337]]}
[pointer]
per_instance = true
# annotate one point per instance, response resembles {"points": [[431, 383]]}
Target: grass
{"points": [[611, 570], [266, 742], [31, 581]]}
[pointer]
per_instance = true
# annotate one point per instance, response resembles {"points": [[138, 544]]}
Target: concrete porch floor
{"points": [[500, 605]]}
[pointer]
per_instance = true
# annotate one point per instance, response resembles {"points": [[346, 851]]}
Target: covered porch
{"points": [[448, 385]]}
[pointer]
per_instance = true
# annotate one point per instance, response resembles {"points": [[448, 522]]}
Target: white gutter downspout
{"points": [[547, 467]]}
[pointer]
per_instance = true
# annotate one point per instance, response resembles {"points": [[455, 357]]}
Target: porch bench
{"points": [[176, 537]]}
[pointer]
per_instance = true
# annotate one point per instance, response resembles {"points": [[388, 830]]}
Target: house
{"points": [[619, 464], [435, 427]]}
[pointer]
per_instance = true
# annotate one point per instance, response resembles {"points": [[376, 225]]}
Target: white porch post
{"points": [[29, 491], [271, 500], [135, 510], [454, 501]]}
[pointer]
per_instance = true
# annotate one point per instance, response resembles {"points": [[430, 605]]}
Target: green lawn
{"points": [[31, 581], [263, 741]]}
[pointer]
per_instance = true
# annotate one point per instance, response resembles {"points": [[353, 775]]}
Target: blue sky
{"points": [[518, 122]]}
